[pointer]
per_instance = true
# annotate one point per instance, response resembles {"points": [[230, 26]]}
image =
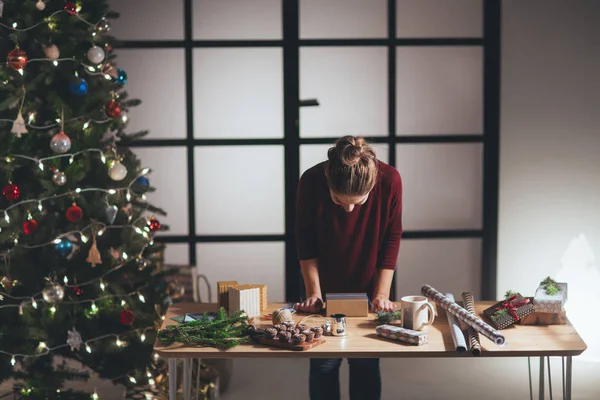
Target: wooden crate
{"points": [[263, 293], [223, 293]]}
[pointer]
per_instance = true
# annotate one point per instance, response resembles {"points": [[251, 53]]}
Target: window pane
{"points": [[439, 90], [238, 93], [326, 19], [449, 265], [442, 185], [312, 154], [177, 254], [237, 19], [169, 176], [351, 87], [239, 190], [250, 263], [147, 20], [439, 18], [156, 77]]}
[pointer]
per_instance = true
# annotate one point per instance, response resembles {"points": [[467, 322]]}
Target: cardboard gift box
{"points": [[510, 311], [550, 303], [349, 304], [402, 334]]}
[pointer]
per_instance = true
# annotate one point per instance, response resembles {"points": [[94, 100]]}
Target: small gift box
{"points": [[510, 311], [402, 334], [550, 296]]}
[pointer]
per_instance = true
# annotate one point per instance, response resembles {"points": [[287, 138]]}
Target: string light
{"points": [[52, 310], [102, 286], [88, 348], [132, 380], [95, 396], [13, 361], [118, 342], [141, 297], [48, 20], [143, 337]]}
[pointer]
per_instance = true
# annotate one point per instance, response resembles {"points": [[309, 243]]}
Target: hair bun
{"points": [[351, 150]]}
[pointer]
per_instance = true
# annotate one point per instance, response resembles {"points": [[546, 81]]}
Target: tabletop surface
{"points": [[361, 340]]}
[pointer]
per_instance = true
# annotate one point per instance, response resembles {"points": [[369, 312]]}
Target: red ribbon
{"points": [[512, 305]]}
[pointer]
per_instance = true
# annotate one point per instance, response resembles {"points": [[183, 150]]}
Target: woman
{"points": [[348, 229]]}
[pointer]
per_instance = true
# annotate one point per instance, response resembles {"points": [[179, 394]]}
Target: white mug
{"points": [[414, 312]]}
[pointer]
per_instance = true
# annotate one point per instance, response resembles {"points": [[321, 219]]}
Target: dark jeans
{"points": [[324, 378]]}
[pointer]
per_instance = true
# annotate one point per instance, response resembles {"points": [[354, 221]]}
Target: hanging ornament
{"points": [[116, 254], [40, 5], [127, 317], [60, 143], [53, 292], [11, 192], [71, 8], [96, 54], [113, 109], [18, 127], [77, 290], [94, 255], [74, 339], [52, 52], [102, 27], [30, 226], [110, 70], [78, 86], [117, 171], [6, 283], [140, 185], [74, 213], [121, 78], [64, 247], [153, 224], [17, 59], [59, 178], [111, 213]]}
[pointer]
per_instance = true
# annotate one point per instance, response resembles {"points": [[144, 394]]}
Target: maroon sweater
{"points": [[349, 246]]}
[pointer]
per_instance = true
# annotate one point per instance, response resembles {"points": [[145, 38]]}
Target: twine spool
{"points": [[282, 315]]}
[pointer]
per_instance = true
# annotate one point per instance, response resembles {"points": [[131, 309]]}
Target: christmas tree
{"points": [[79, 269]]}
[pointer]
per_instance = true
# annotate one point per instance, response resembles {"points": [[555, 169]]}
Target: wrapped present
{"points": [[510, 311], [402, 334], [550, 296]]}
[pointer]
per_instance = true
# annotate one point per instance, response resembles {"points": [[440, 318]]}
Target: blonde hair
{"points": [[352, 167]]}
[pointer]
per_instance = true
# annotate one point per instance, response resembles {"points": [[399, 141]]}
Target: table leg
{"points": [[198, 379], [541, 389], [569, 378], [187, 379], [172, 379]]}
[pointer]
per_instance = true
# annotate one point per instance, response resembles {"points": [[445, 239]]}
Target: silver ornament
{"points": [[117, 172], [53, 293], [40, 5], [96, 55], [60, 143], [52, 52], [59, 178], [111, 213], [74, 339]]}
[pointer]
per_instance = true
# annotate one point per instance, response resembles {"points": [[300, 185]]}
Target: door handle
{"points": [[308, 103]]}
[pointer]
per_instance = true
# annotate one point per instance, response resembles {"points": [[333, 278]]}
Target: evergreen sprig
{"points": [[503, 312], [224, 331], [551, 286], [510, 293], [386, 317]]}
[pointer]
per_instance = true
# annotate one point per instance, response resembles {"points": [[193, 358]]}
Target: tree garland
{"points": [[224, 331]]}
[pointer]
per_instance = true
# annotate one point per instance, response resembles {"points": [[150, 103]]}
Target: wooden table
{"points": [[362, 342]]}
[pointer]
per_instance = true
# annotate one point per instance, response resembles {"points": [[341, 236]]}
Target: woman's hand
{"points": [[313, 304], [383, 303]]}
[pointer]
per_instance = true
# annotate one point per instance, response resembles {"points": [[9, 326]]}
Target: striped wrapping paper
{"points": [[463, 315], [457, 335], [473, 336]]}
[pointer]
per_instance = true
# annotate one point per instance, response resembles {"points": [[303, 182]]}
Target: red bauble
{"points": [[11, 192], [71, 8], [30, 226], [77, 290], [17, 59], [113, 109], [74, 213], [153, 224], [127, 317]]}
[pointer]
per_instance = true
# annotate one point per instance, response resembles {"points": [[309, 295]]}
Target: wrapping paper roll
{"points": [[457, 334], [473, 336], [463, 315]]}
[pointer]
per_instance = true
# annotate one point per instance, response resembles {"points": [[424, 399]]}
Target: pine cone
{"points": [[299, 338], [285, 337], [318, 331], [278, 327], [302, 327], [309, 335], [288, 323], [271, 333]]}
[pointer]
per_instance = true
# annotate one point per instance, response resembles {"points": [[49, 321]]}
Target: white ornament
{"points": [[51, 52], [74, 339], [18, 127], [117, 172], [40, 5], [96, 55], [60, 143]]}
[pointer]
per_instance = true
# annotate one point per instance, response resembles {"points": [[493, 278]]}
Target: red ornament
{"points": [[127, 317], [11, 192], [74, 213], [113, 109], [30, 226], [153, 224], [17, 59], [71, 8], [77, 290]]}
